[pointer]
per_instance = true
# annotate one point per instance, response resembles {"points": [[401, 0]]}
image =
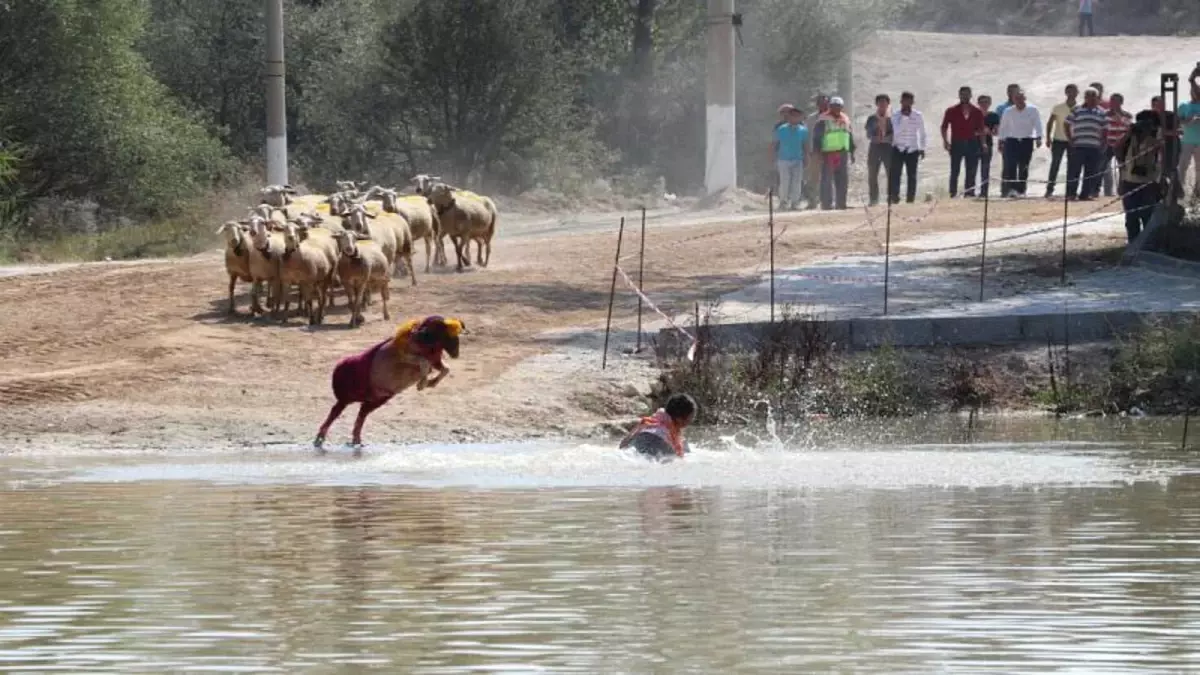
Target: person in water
{"points": [[373, 377], [660, 436]]}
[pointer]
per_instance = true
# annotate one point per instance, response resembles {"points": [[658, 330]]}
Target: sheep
{"points": [[421, 219], [423, 185], [309, 229], [278, 196], [384, 232], [361, 266], [265, 250], [237, 256], [423, 182], [306, 264], [349, 188], [465, 218]]}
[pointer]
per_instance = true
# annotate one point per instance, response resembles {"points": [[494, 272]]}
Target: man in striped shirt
{"points": [[1086, 127], [1119, 122], [908, 147]]}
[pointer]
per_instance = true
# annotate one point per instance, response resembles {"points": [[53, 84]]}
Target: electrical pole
{"points": [[720, 110], [277, 167], [845, 84]]}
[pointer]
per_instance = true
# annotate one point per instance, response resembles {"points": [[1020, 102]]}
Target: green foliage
{"points": [[93, 121]]}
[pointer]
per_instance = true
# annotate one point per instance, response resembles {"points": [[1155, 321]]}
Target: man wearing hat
{"points": [[834, 141], [812, 169]]}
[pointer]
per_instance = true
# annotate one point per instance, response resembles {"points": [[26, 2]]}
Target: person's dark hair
{"points": [[680, 406], [1115, 96], [907, 95], [964, 88], [882, 98]]}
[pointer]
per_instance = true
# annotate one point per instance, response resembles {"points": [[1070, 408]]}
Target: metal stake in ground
{"points": [[887, 255], [612, 294], [771, 228], [1066, 212], [983, 248], [641, 270]]}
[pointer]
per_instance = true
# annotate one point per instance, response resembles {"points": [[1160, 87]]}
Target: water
{"points": [[1075, 556]]}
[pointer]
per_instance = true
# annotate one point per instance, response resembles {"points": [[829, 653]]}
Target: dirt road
{"points": [[144, 356]]}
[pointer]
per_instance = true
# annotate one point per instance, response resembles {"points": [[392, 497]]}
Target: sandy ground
{"points": [[143, 355]]}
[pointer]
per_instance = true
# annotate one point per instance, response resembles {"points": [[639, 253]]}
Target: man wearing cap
{"points": [[835, 140], [788, 153], [812, 169]]}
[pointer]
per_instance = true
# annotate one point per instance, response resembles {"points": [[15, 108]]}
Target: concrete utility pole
{"points": [[277, 167], [845, 84], [721, 111]]}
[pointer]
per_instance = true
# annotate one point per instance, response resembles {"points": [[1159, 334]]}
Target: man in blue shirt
{"points": [[1189, 117], [788, 153], [1085, 18]]}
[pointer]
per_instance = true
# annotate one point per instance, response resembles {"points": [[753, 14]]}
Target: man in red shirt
{"points": [[1115, 132], [965, 123]]}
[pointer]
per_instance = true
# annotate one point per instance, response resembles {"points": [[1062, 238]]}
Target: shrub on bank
{"points": [[796, 372]]}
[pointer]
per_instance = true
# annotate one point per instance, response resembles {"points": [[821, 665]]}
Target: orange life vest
{"points": [[662, 425]]}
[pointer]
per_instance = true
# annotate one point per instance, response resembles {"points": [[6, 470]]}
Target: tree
{"points": [[91, 118], [475, 83]]}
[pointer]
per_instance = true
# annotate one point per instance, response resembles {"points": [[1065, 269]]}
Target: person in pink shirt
{"points": [[1119, 121]]}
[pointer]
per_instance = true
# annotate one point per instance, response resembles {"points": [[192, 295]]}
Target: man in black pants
{"points": [[1020, 133], [908, 147], [991, 124], [1056, 134]]}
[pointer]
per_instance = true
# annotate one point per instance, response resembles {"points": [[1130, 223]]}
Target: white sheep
{"points": [[362, 266], [465, 217], [421, 219], [265, 251], [305, 263], [237, 256], [278, 196]]}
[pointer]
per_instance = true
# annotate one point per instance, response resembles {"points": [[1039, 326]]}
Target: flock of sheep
{"points": [[353, 239]]}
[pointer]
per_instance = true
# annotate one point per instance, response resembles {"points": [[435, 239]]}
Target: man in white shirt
{"points": [[1020, 133], [908, 147]]}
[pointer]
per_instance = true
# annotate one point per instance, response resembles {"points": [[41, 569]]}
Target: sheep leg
{"points": [[364, 409], [255, 305], [321, 291], [232, 283], [458, 252], [412, 269], [334, 413], [354, 296], [427, 261], [384, 294], [439, 245], [479, 252], [280, 305]]}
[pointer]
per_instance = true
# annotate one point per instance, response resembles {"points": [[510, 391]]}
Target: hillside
{"points": [[1052, 17]]}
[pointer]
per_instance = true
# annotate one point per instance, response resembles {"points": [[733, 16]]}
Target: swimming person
{"points": [[660, 436], [371, 378]]}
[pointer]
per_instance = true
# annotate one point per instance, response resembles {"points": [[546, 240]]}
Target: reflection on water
{"points": [[169, 576]]}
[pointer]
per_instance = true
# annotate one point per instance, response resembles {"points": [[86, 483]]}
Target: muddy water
{"points": [[1011, 558]]}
